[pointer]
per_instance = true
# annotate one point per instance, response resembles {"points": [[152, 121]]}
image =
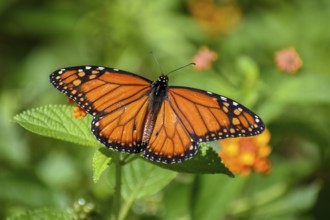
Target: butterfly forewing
{"points": [[117, 100], [209, 116], [99, 89]]}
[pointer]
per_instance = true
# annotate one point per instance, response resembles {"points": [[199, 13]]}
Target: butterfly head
{"points": [[160, 85], [163, 79]]}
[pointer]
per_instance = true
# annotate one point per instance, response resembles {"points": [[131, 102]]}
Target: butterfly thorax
{"points": [[156, 97]]}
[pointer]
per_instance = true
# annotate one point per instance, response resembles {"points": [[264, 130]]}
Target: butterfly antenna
{"points": [[180, 68], [160, 68]]}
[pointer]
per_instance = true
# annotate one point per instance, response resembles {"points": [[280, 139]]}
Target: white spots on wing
{"points": [[61, 71], [88, 67], [100, 68], [257, 120], [115, 69], [209, 92], [223, 98], [235, 103]]}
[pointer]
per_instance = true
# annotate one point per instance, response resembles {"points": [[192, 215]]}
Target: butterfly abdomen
{"points": [[148, 127]]}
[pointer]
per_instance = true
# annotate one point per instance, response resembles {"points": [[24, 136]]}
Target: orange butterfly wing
{"points": [[191, 116], [117, 100], [170, 141]]}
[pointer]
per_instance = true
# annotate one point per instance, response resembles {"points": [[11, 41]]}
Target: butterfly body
{"points": [[133, 114], [156, 97]]}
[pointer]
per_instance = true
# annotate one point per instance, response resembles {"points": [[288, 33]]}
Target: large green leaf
{"points": [[56, 121], [43, 214]]}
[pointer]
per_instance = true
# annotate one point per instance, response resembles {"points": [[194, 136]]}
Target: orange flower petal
{"points": [[263, 138], [247, 158], [263, 166], [78, 112], [264, 151]]}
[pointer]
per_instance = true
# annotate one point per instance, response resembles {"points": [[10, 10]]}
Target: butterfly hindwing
{"points": [[122, 129], [170, 141]]}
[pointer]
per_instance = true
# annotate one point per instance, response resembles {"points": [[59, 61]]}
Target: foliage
{"points": [[44, 178]]}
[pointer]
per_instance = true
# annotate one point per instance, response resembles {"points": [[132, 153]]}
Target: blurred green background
{"points": [[38, 37]]}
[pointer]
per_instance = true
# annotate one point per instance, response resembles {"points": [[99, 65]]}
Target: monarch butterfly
{"points": [[133, 114]]}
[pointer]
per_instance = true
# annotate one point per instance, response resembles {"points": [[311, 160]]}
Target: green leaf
{"points": [[43, 214], [141, 179], [206, 161], [101, 160], [56, 121], [214, 195]]}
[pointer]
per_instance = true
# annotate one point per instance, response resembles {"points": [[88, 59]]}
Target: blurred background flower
{"points": [[247, 154], [288, 60], [215, 17], [204, 58]]}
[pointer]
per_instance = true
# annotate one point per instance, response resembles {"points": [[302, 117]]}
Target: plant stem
{"points": [[117, 195]]}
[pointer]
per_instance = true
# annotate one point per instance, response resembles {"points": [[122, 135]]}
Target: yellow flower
{"points": [[288, 60], [204, 58], [246, 154]]}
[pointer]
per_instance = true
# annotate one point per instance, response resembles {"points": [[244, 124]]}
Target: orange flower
{"points": [[245, 154], [78, 112], [215, 18], [288, 60], [204, 58]]}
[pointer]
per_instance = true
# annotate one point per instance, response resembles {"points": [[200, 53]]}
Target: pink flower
{"points": [[204, 58], [288, 60]]}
